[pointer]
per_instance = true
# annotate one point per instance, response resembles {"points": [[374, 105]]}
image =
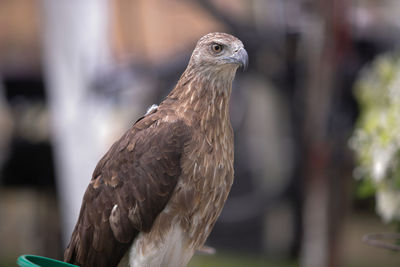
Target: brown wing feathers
{"points": [[130, 186]]}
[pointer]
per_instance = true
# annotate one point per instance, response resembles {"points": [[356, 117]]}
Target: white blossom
{"points": [[388, 204]]}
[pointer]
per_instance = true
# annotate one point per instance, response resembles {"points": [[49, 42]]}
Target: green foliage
{"points": [[366, 189], [376, 139]]}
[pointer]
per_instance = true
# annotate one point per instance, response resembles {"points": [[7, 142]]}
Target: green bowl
{"points": [[37, 261]]}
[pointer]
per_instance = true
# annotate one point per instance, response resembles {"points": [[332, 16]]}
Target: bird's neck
{"points": [[204, 96]]}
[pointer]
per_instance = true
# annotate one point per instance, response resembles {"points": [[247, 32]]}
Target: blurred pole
{"points": [[6, 125], [324, 45], [76, 48]]}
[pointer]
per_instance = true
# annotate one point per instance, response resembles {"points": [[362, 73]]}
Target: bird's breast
{"points": [[198, 198], [206, 181]]}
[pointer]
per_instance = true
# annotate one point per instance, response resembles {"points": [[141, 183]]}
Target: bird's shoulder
{"points": [[158, 132]]}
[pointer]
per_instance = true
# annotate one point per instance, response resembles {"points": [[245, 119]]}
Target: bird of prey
{"points": [[155, 195]]}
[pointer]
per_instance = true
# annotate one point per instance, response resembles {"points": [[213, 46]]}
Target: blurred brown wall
{"points": [[144, 30]]}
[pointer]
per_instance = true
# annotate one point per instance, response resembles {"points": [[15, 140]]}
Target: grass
{"points": [[225, 259]]}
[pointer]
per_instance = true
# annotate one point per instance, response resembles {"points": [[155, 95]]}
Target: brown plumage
{"points": [[161, 187]]}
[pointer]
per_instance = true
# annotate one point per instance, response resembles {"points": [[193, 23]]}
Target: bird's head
{"points": [[219, 52]]}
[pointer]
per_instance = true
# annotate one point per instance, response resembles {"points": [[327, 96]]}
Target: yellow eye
{"points": [[216, 48]]}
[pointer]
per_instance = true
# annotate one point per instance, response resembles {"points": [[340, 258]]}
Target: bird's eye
{"points": [[216, 48]]}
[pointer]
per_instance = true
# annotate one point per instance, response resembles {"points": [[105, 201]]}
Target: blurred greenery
{"points": [[226, 259], [8, 262], [376, 139], [365, 189], [222, 259]]}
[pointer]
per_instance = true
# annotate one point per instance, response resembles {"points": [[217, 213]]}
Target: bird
{"points": [[155, 196]]}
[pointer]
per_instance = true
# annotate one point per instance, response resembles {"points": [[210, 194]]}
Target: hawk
{"points": [[155, 195]]}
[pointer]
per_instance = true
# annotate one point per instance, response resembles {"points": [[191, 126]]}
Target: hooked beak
{"points": [[242, 58]]}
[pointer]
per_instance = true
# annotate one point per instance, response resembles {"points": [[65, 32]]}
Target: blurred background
{"points": [[316, 119]]}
